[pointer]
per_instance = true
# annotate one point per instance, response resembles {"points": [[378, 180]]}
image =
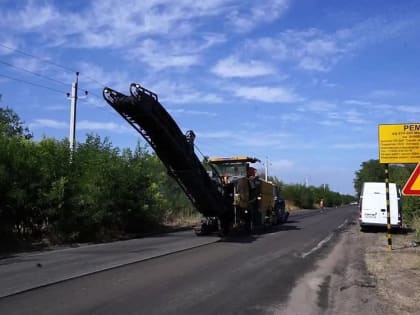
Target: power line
{"points": [[36, 57], [51, 79], [105, 109], [95, 81], [32, 83], [32, 72], [50, 62]]}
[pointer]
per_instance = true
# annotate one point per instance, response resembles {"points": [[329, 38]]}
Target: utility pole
{"points": [[266, 168], [73, 106], [73, 109]]}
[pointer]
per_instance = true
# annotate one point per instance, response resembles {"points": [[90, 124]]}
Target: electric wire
{"points": [[39, 58], [198, 149], [48, 78], [51, 63], [32, 83], [34, 73]]}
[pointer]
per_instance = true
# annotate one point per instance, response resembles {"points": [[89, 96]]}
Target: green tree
{"points": [[300, 195], [11, 125], [276, 181], [19, 186], [370, 171]]}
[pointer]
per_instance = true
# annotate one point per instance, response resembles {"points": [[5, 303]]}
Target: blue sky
{"points": [[302, 83]]}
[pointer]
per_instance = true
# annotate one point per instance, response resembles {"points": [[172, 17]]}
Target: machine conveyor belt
{"points": [[143, 111]]}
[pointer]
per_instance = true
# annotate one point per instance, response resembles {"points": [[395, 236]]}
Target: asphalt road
{"points": [[26, 271], [241, 275]]}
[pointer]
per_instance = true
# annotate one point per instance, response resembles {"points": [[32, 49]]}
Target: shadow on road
{"points": [[383, 229], [239, 238], [243, 237]]}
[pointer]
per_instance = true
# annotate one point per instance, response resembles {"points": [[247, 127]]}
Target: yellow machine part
{"points": [[242, 193], [233, 159], [267, 196]]}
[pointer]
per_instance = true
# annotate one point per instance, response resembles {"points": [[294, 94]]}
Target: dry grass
{"points": [[416, 227], [397, 271], [290, 206], [182, 220]]}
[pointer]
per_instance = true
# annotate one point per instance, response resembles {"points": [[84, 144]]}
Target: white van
{"points": [[373, 205]]}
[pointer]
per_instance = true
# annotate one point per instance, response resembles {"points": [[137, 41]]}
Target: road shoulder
{"points": [[340, 282], [360, 275], [397, 272]]}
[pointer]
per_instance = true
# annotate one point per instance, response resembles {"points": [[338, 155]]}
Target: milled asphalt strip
{"points": [[27, 286], [325, 240]]}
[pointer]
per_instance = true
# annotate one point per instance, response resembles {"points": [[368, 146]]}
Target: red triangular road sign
{"points": [[412, 187]]}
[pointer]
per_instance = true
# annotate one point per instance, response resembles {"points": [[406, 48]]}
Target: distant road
{"points": [[240, 275]]}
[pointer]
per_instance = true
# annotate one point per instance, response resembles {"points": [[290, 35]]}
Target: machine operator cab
{"points": [[233, 168]]}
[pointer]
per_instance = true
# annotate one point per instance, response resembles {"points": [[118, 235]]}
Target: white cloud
{"points": [[247, 139], [30, 64], [197, 98], [290, 117], [311, 63], [57, 107], [259, 12], [225, 134], [267, 94], [107, 126], [284, 117], [318, 106], [34, 16], [7, 45], [389, 109], [81, 125], [357, 102], [329, 122], [311, 49], [328, 84], [382, 93], [94, 76], [351, 146], [48, 123], [408, 109], [191, 112], [354, 117], [160, 55], [316, 50], [335, 118], [173, 92], [281, 165], [231, 67], [109, 23]]}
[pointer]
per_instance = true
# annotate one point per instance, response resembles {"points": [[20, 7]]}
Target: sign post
{"points": [[399, 144], [388, 208]]}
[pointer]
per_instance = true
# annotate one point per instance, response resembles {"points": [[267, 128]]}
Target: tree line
{"points": [[97, 192], [309, 197]]}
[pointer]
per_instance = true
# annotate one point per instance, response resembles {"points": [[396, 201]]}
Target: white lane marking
{"points": [[324, 241], [342, 224], [318, 246]]}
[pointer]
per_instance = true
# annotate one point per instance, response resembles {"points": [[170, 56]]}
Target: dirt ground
{"points": [[397, 272], [361, 276]]}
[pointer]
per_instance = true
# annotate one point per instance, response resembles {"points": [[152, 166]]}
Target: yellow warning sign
{"points": [[399, 143]]}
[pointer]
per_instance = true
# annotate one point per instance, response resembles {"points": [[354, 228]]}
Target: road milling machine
{"points": [[226, 191]]}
